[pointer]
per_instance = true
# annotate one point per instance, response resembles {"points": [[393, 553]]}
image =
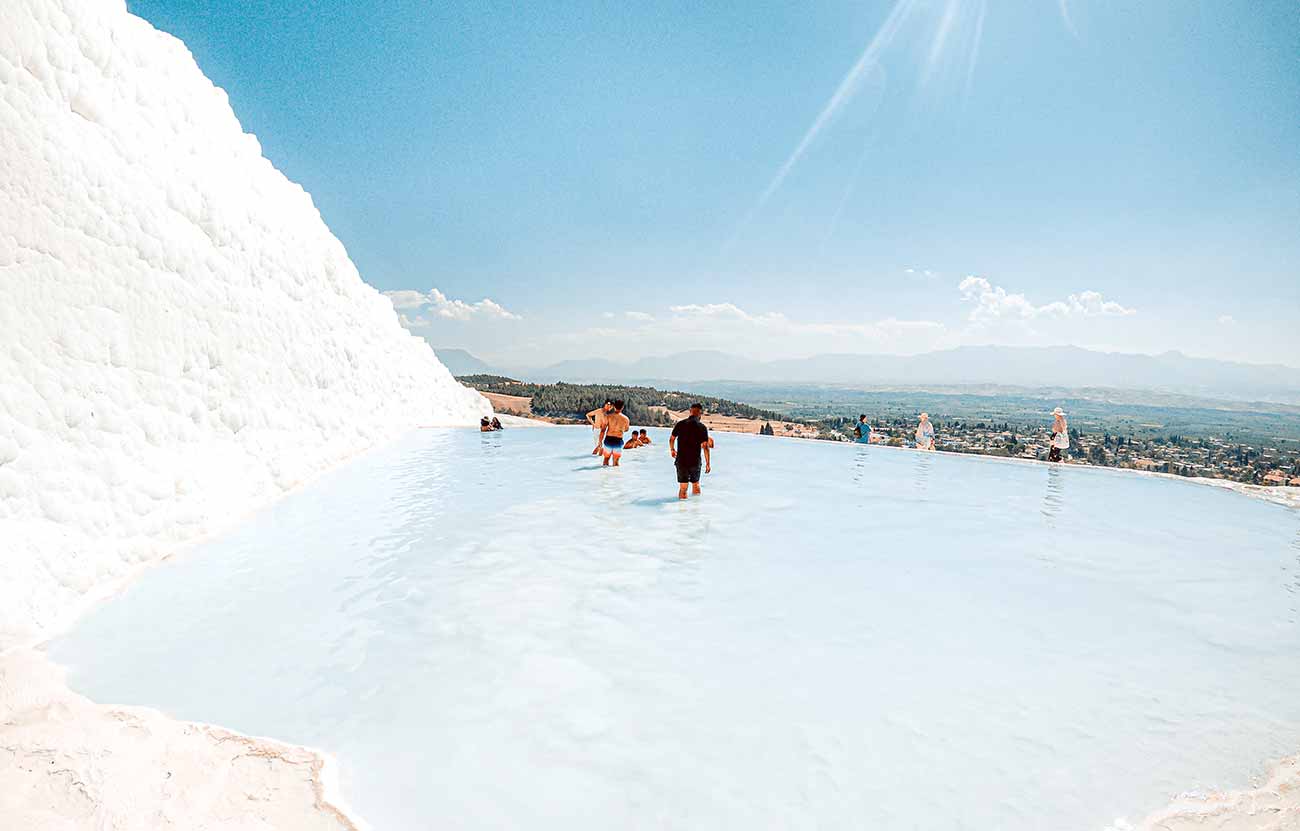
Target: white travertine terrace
{"points": [[182, 339]]}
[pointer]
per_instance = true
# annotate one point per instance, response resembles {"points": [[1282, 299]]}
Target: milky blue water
{"points": [[490, 631]]}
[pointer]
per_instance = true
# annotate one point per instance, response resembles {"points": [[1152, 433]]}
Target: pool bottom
{"points": [[91, 746], [585, 653]]}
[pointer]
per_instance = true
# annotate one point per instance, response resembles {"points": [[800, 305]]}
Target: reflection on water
{"points": [[1054, 497], [484, 635], [861, 462], [1292, 584], [493, 447], [924, 461]]}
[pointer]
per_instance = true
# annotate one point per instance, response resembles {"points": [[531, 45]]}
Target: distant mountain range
{"points": [[1054, 366], [461, 362]]}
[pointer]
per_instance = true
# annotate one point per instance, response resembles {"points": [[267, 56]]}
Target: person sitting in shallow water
{"points": [[643, 438], [496, 423], [925, 433], [862, 431], [484, 425], [633, 440]]}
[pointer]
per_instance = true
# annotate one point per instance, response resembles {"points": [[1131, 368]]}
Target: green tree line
{"points": [[574, 401]]}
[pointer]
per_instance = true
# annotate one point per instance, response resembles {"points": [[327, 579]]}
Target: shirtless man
{"points": [[616, 424], [644, 438], [596, 418]]}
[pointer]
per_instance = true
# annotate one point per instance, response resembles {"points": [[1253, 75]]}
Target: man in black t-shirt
{"points": [[694, 438]]}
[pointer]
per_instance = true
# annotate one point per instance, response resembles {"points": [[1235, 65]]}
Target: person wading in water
{"points": [[1060, 435], [596, 418], [694, 441], [616, 424]]}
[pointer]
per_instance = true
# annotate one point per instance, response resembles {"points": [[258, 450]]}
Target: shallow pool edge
{"points": [[1272, 805], [77, 760]]}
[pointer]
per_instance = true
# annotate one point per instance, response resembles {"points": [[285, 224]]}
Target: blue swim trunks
{"points": [[614, 444]]}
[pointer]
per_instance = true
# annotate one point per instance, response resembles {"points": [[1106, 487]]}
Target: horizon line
{"points": [[1168, 352]]}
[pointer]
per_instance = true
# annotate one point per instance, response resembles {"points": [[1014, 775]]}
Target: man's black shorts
{"points": [[688, 474]]}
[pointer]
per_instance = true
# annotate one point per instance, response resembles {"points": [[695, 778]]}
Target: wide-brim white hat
{"points": [[1058, 411]]}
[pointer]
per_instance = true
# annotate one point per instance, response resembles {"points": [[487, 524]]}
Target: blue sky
{"points": [[1114, 175]]}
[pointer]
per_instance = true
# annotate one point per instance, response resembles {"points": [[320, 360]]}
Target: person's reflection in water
{"points": [[860, 465], [921, 473], [487, 470], [1293, 582], [1054, 499]]}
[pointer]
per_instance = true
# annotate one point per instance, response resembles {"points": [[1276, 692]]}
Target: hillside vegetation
{"points": [[644, 405]]}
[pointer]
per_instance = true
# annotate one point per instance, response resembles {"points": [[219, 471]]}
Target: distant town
{"points": [[1204, 441], [1211, 457]]}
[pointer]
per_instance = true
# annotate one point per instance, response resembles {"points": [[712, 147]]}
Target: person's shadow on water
{"points": [[653, 502]]}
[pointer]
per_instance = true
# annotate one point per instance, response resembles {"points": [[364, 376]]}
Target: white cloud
{"points": [[729, 324], [643, 316], [406, 299], [723, 311], [1227, 320], [710, 310], [495, 310], [996, 303], [435, 304], [1092, 304], [993, 302], [416, 321]]}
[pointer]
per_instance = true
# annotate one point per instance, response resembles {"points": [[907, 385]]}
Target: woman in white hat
{"points": [[1060, 435], [925, 433]]}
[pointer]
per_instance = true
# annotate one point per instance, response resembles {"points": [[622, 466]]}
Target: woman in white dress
{"points": [[1060, 435]]}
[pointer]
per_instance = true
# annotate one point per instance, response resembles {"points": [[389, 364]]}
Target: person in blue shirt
{"points": [[862, 430]]}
